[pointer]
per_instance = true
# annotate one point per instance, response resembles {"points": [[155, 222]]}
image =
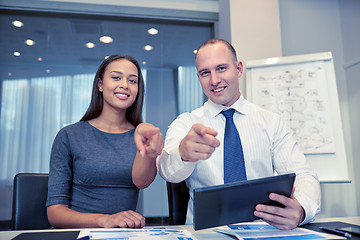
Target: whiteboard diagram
{"points": [[295, 92], [303, 90]]}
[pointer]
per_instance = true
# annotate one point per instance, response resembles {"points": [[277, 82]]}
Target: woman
{"points": [[98, 164]]}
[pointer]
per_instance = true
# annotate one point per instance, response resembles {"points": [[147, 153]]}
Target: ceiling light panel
{"points": [[153, 31], [17, 23], [29, 42], [106, 39], [90, 45], [148, 48]]}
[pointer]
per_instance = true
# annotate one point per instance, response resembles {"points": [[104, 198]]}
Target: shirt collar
{"points": [[215, 109]]}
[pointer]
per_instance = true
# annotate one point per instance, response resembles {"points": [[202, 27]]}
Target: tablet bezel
{"points": [[235, 202]]}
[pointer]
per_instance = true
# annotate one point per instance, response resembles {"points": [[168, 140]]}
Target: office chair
{"points": [[29, 198], [178, 198]]}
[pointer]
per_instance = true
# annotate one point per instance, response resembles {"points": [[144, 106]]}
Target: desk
{"points": [[208, 234]]}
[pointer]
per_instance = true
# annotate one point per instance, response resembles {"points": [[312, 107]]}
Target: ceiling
{"points": [[60, 41]]}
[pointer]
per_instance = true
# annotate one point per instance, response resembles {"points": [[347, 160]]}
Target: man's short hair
{"points": [[218, 40]]}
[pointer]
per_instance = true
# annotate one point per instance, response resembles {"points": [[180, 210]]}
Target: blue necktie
{"points": [[234, 165]]}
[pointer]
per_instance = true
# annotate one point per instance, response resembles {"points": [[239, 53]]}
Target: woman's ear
{"points": [[100, 85]]}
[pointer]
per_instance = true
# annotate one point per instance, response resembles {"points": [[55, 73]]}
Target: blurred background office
{"points": [[50, 51]]}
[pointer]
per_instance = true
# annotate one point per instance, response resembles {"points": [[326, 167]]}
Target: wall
{"points": [[255, 30], [308, 26], [320, 31], [350, 27]]}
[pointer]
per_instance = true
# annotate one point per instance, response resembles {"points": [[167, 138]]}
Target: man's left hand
{"points": [[285, 218]]}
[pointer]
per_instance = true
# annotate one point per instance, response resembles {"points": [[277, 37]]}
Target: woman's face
{"points": [[119, 84]]}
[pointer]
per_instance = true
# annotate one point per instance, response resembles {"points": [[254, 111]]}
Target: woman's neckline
{"points": [[110, 132]]}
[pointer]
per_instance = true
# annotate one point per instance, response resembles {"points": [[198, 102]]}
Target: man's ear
{"points": [[239, 67], [100, 85]]}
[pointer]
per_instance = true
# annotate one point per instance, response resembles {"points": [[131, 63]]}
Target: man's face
{"points": [[219, 73]]}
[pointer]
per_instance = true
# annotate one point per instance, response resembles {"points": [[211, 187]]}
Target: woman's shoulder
{"points": [[81, 125], [73, 129]]}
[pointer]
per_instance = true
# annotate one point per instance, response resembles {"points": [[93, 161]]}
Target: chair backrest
{"points": [[29, 198], [178, 198]]}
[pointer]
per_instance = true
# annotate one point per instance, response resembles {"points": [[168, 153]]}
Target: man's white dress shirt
{"points": [[268, 147]]}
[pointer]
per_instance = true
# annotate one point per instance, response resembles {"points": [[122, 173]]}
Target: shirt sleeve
{"points": [[288, 157], [169, 164], [60, 173]]}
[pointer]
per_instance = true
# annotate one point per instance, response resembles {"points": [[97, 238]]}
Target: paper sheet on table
{"points": [[264, 231], [137, 234]]}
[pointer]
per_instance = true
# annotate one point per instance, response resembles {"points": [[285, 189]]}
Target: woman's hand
{"points": [[125, 219], [61, 216], [149, 143], [149, 140]]}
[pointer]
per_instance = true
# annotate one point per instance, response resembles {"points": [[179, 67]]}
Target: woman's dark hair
{"points": [[133, 113]]}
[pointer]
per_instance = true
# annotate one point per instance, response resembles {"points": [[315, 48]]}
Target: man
{"points": [[193, 144]]}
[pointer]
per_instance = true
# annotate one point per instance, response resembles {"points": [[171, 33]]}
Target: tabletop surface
{"points": [[208, 234]]}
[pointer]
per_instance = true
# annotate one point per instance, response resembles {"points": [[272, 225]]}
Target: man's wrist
{"points": [[302, 217], [180, 152]]}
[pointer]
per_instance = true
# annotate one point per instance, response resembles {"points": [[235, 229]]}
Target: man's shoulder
{"points": [[200, 111], [187, 119], [197, 112]]}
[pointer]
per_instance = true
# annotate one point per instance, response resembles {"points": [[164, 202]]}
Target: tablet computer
{"points": [[235, 202]]}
